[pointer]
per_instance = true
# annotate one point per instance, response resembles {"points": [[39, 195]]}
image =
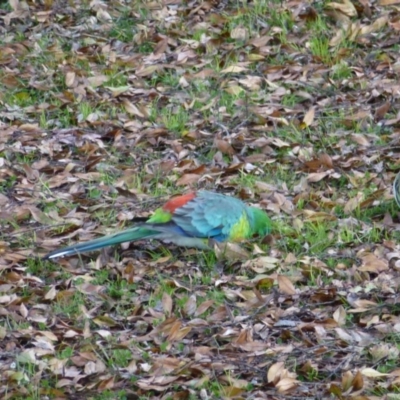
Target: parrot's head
{"points": [[261, 224]]}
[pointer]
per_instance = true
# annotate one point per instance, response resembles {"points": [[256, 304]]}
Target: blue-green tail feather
{"points": [[129, 235]]}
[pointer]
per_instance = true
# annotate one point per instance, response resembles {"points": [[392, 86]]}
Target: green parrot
{"points": [[396, 189], [190, 220]]}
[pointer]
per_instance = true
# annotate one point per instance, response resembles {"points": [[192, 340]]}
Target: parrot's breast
{"points": [[240, 230]]}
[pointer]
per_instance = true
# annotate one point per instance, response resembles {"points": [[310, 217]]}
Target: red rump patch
{"points": [[177, 202]]}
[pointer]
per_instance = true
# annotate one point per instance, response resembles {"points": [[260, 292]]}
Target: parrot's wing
{"points": [[209, 215]]}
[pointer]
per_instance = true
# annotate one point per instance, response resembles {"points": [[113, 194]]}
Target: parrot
{"points": [[189, 220], [396, 189]]}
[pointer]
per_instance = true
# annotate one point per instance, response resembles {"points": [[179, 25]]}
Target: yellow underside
{"points": [[240, 230]]}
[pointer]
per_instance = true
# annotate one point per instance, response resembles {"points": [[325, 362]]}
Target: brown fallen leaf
{"points": [[346, 7], [382, 110], [309, 117], [188, 179], [285, 285], [231, 252], [167, 303], [224, 147], [371, 263], [275, 371], [388, 2]]}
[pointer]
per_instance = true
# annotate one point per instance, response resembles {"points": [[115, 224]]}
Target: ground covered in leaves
{"points": [[109, 108]]}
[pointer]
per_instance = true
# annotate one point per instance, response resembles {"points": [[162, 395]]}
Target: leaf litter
{"points": [[110, 108]]}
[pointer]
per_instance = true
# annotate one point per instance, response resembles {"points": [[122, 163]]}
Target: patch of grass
{"points": [[116, 78], [84, 109], [61, 118], [66, 353], [245, 180], [143, 10], [318, 26], [157, 294], [341, 71], [277, 17], [120, 289], [198, 34], [215, 388], [113, 395], [319, 47], [69, 304], [95, 193], [175, 119], [311, 375], [218, 296], [159, 253], [164, 80], [207, 261], [120, 358], [319, 236], [268, 12], [105, 216], [7, 183], [290, 100], [35, 266], [123, 29]]}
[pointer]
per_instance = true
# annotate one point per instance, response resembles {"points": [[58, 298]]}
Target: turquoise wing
{"points": [[209, 215]]}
